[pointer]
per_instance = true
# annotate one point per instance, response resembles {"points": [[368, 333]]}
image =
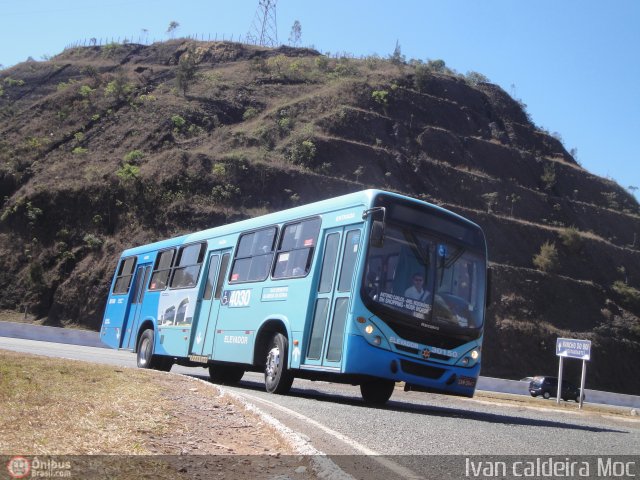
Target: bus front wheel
{"points": [[277, 377], [146, 358], [377, 392]]}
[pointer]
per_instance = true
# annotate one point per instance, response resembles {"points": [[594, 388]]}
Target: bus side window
{"points": [[188, 263], [349, 260], [124, 276], [161, 270], [224, 265], [329, 263], [253, 256], [211, 277], [212, 280], [296, 248]]}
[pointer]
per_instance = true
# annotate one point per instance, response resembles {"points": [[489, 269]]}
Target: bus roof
{"points": [[361, 198]]}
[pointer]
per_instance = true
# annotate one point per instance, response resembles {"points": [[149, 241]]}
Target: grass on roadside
{"points": [[53, 406], [17, 317], [539, 402], [115, 422]]}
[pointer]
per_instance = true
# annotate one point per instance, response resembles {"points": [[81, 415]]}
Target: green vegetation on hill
{"points": [[102, 148]]}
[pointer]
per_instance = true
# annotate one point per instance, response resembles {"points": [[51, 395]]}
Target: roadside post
{"points": [[573, 348]]}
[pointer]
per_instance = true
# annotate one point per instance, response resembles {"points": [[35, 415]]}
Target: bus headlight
{"points": [[470, 358], [371, 332]]}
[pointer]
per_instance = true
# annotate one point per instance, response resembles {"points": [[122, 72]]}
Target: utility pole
{"points": [[264, 29]]}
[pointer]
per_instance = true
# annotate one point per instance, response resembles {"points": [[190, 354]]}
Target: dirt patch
{"points": [[165, 424], [202, 421]]}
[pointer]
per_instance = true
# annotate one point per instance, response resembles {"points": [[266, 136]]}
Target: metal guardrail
{"points": [[521, 387], [42, 333], [92, 339]]}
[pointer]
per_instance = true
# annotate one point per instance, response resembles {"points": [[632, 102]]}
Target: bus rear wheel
{"points": [[277, 377], [225, 375], [377, 392], [145, 357]]}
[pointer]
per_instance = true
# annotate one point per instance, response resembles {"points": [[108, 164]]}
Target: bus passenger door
{"points": [[204, 331], [130, 328], [341, 248]]}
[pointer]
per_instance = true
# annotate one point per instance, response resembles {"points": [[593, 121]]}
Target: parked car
{"points": [[548, 387]]}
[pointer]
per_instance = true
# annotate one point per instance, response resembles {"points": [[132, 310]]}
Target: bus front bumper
{"points": [[361, 358]]}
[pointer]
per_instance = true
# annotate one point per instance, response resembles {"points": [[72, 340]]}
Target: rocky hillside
{"points": [[102, 148]]}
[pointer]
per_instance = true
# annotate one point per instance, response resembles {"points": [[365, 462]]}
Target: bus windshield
{"points": [[424, 281]]}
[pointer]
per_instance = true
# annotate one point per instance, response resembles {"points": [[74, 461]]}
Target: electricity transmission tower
{"points": [[264, 29]]}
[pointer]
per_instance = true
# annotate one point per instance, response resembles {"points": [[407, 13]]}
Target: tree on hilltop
{"points": [[397, 58], [295, 38], [173, 26]]}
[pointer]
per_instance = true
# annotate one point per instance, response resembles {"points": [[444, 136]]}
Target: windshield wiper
{"points": [[455, 257], [447, 263], [423, 257]]}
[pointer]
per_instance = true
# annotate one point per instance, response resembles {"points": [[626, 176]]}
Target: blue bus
{"points": [[369, 288]]}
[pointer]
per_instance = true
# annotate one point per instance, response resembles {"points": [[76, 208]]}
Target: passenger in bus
{"points": [[417, 291]]}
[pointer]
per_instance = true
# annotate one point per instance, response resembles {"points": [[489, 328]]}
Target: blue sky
{"points": [[575, 63]]}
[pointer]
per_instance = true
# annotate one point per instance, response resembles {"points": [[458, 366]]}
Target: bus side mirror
{"points": [[377, 234]]}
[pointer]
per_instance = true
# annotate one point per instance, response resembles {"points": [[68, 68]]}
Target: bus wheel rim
{"points": [[143, 351], [273, 362]]}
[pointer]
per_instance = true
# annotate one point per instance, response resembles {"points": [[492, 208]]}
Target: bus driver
{"points": [[417, 290]]}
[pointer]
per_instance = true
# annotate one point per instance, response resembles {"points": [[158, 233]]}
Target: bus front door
{"points": [[326, 337], [130, 328], [205, 326]]}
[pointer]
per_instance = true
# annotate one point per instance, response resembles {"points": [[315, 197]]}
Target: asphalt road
{"points": [[411, 425]]}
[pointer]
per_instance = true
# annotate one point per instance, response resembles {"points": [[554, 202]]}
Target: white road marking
{"points": [[403, 472]]}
